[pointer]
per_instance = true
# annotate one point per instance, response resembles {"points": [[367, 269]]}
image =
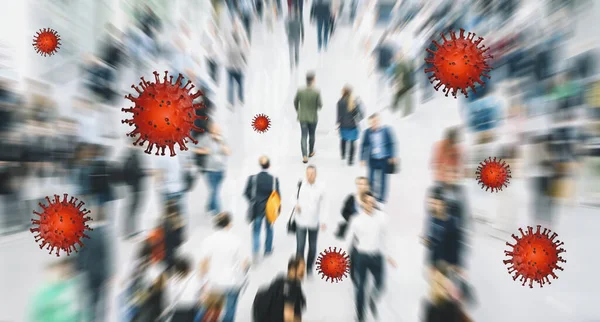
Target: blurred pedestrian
{"points": [[320, 12], [402, 84], [295, 35], [236, 62], [217, 152], [378, 148], [259, 188], [223, 266], [349, 115], [446, 153], [171, 179], [310, 215], [134, 176], [307, 103]]}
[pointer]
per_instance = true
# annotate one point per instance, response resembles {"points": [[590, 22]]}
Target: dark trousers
{"points": [[308, 130], [238, 77], [184, 315], [132, 211], [378, 167], [256, 226], [212, 69], [323, 33], [543, 203], [364, 263], [294, 52], [312, 245], [352, 144], [215, 179], [246, 20]]}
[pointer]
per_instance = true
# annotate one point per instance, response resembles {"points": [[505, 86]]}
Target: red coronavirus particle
{"points": [[261, 123], [535, 256], [493, 174], [61, 224], [164, 114], [46, 42], [458, 63], [333, 265]]}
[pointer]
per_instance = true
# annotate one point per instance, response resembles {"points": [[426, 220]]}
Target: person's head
{"points": [[362, 185], [452, 135], [436, 201], [310, 79], [223, 220], [311, 174], [374, 121], [182, 266], [346, 91], [264, 162], [368, 201], [296, 268]]}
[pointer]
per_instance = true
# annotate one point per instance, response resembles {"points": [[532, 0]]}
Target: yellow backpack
{"points": [[273, 207]]}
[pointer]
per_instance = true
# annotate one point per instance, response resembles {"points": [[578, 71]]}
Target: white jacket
{"points": [[312, 205]]}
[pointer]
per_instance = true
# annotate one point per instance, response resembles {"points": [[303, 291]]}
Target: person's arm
{"points": [[248, 189], [323, 209], [277, 187], [392, 144], [339, 115], [202, 146], [297, 100], [387, 242], [288, 313], [319, 101]]}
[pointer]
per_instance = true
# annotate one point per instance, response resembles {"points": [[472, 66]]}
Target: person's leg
{"points": [[246, 21], [269, 238], [200, 315], [376, 268], [312, 128], [131, 220], [326, 24], [292, 50], [211, 180], [343, 148], [351, 154], [239, 78], [371, 166], [230, 79], [231, 299], [256, 225], [303, 137], [297, 52], [320, 25], [360, 271], [383, 181], [218, 177], [313, 235], [300, 241]]}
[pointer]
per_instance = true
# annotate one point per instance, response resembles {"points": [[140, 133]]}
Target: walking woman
{"points": [[349, 115]]}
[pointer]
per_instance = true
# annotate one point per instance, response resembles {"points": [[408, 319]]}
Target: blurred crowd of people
{"points": [[533, 79]]}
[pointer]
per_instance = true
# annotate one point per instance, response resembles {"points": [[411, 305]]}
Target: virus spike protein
{"points": [[164, 114], [458, 63], [493, 174], [61, 225], [535, 256], [333, 265], [261, 123], [46, 42]]}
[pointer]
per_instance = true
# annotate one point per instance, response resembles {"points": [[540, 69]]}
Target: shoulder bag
{"points": [[291, 226], [391, 168]]}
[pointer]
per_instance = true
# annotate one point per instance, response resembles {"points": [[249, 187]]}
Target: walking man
{"points": [[379, 149], [368, 232], [321, 12], [402, 84], [223, 266], [258, 190], [309, 214], [307, 103], [295, 34]]}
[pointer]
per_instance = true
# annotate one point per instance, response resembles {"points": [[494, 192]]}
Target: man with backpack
{"points": [[259, 192], [283, 300]]}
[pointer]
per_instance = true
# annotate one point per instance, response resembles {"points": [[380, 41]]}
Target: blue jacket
{"points": [[388, 143]]}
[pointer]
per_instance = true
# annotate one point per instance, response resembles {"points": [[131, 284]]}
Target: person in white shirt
{"points": [[368, 233], [223, 265], [171, 178], [309, 215]]}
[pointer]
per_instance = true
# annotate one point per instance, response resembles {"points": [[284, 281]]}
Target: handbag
{"points": [[291, 225], [393, 168]]}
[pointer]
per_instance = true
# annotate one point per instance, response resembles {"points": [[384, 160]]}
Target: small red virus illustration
{"points": [[46, 42], [164, 114], [261, 123], [333, 265], [458, 63], [535, 256], [493, 174], [61, 224]]}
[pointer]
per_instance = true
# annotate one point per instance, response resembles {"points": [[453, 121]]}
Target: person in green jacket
{"points": [[402, 84], [307, 103], [60, 298]]}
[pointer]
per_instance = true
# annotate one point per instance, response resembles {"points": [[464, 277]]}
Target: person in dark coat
{"points": [[258, 190], [349, 114], [321, 12], [94, 259]]}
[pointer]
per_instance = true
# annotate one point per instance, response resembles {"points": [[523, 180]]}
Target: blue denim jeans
{"points": [[238, 77], [377, 167], [215, 179], [257, 225], [322, 33], [231, 298]]}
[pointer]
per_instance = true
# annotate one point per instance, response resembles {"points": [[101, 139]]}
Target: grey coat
{"points": [[293, 28]]}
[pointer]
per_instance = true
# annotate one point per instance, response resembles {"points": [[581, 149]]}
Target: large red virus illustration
{"points": [[61, 225], [458, 63], [46, 42], [493, 174], [261, 123], [535, 256], [333, 265], [164, 114]]}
